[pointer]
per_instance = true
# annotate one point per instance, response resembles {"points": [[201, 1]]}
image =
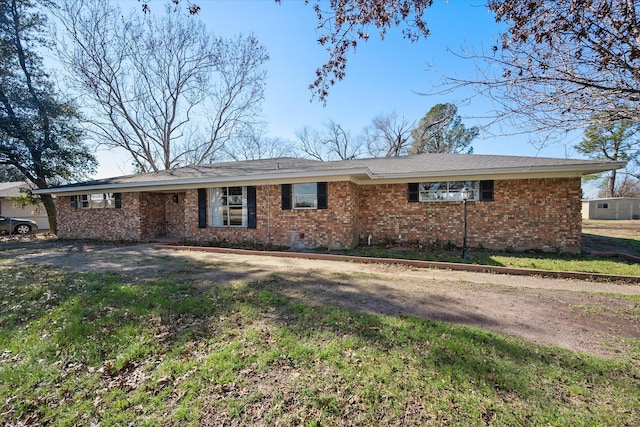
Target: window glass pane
{"points": [[447, 190], [216, 207], [235, 215], [96, 200], [228, 206], [109, 201], [234, 196], [433, 190], [455, 190], [306, 201], [305, 195]]}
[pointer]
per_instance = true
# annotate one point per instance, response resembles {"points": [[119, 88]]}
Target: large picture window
{"points": [[229, 207], [446, 191]]}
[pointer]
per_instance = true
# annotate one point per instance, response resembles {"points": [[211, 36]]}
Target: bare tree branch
{"points": [[153, 82], [390, 136], [559, 64]]}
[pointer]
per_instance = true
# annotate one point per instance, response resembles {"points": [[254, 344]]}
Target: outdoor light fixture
{"points": [[465, 196]]}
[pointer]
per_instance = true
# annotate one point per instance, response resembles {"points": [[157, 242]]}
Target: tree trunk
{"points": [[612, 184], [50, 207]]}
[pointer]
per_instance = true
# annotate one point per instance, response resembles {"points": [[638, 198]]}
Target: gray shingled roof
{"points": [[405, 167]]}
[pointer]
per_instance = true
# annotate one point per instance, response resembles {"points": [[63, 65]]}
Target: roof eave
{"points": [[553, 171], [184, 184]]}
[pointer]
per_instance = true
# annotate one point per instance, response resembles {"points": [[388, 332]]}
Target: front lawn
{"points": [[553, 261], [89, 348]]}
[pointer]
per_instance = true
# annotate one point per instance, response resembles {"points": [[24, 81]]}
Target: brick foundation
{"points": [[527, 213]]}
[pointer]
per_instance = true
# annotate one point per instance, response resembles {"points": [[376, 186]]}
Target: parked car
{"points": [[17, 226]]}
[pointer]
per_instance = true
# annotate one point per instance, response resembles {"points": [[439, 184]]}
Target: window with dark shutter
{"points": [[413, 192], [322, 195], [486, 191], [74, 202], [202, 208], [286, 197], [252, 210], [117, 197]]}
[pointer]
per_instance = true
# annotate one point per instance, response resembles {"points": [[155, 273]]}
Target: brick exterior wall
{"points": [[335, 227], [527, 213], [102, 224]]}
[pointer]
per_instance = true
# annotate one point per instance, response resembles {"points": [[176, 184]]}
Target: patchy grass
{"points": [[84, 348], [531, 260]]}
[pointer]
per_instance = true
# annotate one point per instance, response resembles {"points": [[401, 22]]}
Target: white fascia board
{"points": [[563, 171], [176, 185]]}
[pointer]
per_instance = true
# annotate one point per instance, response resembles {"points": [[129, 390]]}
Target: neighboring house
{"points": [[611, 208], [517, 202], [8, 207]]}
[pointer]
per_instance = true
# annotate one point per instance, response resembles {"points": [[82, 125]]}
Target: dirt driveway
{"points": [[591, 317]]}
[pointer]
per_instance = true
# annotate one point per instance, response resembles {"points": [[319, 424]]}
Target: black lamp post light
{"points": [[465, 196]]}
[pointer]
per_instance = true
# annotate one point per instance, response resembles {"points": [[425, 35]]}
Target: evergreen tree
{"points": [[604, 140], [39, 133], [441, 131]]}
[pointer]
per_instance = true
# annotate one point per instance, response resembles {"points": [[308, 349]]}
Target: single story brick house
{"points": [[516, 202]]}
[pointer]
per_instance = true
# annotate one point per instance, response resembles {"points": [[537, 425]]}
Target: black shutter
{"points": [[118, 200], [252, 218], [74, 202], [202, 208], [286, 196], [413, 192], [486, 191], [322, 195]]}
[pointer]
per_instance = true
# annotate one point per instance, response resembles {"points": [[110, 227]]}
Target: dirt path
{"points": [[592, 317]]}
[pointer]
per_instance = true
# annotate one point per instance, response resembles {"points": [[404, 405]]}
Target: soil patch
{"points": [[597, 318]]}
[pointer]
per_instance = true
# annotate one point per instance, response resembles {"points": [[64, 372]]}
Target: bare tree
{"points": [[191, 7], [254, 145], [558, 62], [388, 135], [343, 24], [340, 144], [628, 186], [162, 88], [310, 144], [333, 143], [561, 63]]}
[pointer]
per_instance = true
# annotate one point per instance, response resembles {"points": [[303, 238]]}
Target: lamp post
{"points": [[465, 195]]}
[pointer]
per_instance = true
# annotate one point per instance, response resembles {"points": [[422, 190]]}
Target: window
{"points": [[96, 201], [444, 191], [305, 196], [309, 195], [229, 207], [603, 205]]}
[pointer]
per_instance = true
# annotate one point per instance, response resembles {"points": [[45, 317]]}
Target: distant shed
{"points": [[611, 208]]}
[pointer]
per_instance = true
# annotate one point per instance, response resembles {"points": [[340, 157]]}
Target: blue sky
{"points": [[382, 76]]}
